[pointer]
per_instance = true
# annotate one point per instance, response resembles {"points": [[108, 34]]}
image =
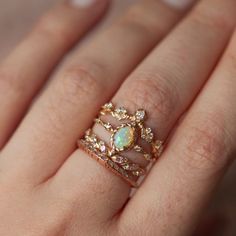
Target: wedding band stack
{"points": [[129, 135]]}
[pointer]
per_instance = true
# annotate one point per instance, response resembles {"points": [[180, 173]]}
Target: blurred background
{"points": [[16, 20]]}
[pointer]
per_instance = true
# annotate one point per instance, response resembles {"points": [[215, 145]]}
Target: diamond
{"points": [[150, 137], [147, 135], [148, 130], [107, 125], [147, 156], [119, 159], [137, 148], [121, 113], [131, 167], [139, 172], [140, 115], [92, 138], [108, 106], [158, 144], [102, 146], [158, 148]]}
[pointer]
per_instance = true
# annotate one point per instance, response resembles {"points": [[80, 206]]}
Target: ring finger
{"points": [[165, 84]]}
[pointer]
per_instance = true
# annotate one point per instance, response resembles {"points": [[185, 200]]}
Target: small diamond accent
{"points": [[107, 125], [147, 135], [131, 167], [121, 113], [147, 156], [140, 115], [158, 148], [108, 106], [138, 172], [137, 148], [119, 159], [92, 138], [102, 146]]}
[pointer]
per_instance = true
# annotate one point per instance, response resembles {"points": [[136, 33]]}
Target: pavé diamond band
{"points": [[130, 134]]}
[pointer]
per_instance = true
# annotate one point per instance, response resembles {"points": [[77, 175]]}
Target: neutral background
{"points": [[17, 18]]}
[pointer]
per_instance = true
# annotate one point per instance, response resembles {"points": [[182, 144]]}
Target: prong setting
{"points": [[124, 137]]}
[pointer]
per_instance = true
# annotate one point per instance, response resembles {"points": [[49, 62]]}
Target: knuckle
{"points": [[49, 29], [136, 21], [153, 94], [75, 87], [79, 83], [143, 18], [214, 21], [205, 145]]}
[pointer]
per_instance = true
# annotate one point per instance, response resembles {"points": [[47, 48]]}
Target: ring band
{"points": [[129, 135]]}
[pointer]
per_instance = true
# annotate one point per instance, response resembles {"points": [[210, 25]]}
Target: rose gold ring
{"points": [[130, 134]]}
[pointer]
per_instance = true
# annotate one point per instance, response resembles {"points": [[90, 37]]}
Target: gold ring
{"points": [[129, 135]]}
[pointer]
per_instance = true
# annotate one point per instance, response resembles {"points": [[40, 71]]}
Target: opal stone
{"points": [[124, 137]]}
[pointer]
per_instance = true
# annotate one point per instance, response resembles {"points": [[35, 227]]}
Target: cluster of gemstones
{"points": [[124, 137]]}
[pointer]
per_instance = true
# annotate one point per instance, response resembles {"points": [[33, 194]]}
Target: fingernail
{"points": [[179, 4], [82, 3]]}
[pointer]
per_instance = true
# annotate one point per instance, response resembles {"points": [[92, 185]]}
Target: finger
{"points": [[180, 185], [164, 85], [26, 69], [49, 133]]}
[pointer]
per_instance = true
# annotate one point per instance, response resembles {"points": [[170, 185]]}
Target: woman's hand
{"points": [[47, 187]]}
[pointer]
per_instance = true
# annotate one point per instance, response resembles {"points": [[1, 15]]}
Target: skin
{"points": [[61, 188], [11, 15]]}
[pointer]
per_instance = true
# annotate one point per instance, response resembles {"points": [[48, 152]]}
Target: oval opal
{"points": [[124, 137]]}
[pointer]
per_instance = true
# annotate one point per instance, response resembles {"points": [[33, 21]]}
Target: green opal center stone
{"points": [[124, 137]]}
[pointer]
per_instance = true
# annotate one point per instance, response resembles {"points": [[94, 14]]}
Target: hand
{"points": [[47, 187]]}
